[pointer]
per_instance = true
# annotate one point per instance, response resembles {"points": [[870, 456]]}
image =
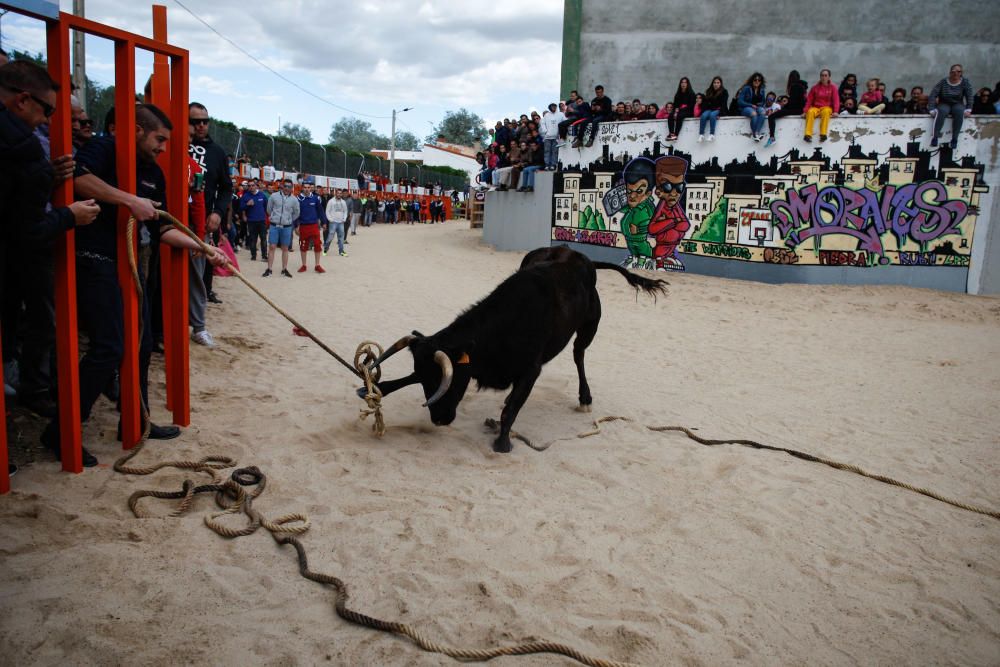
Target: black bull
{"points": [[505, 339]]}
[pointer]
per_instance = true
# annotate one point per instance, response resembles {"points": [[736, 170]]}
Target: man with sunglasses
{"points": [[669, 222], [83, 127], [211, 157], [31, 226]]}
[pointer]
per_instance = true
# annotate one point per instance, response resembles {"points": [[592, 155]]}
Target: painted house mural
{"points": [[904, 206]]}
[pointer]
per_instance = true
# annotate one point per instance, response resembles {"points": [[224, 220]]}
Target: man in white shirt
{"points": [[550, 136], [336, 215]]}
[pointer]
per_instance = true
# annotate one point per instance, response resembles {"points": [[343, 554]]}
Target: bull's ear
{"points": [[417, 334]]}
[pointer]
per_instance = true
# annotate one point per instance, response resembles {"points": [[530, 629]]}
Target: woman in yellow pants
{"points": [[823, 100]]}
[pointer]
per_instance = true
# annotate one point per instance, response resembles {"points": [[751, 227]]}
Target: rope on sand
{"points": [[849, 467]]}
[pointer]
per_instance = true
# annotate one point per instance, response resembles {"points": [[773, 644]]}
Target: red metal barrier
{"points": [[172, 96]]}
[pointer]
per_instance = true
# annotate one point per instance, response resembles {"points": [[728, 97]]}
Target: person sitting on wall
{"points": [[951, 96], [848, 88], [751, 103], [915, 104], [823, 100], [684, 101], [897, 105], [849, 108], [669, 223], [983, 103], [872, 100], [795, 89], [600, 110]]}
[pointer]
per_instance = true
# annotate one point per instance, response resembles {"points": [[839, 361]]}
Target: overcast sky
{"points": [[494, 58]]}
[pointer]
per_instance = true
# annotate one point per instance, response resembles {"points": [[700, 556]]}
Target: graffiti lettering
{"points": [[585, 236], [917, 258], [844, 258], [725, 250], [956, 260], [921, 212], [689, 246]]}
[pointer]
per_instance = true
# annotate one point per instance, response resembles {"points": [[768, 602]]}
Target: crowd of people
{"points": [[227, 214], [519, 147]]}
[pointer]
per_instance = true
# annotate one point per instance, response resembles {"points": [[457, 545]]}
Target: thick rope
{"points": [[804, 456], [232, 497]]}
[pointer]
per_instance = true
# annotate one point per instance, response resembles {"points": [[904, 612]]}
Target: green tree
{"points": [[295, 131], [713, 228], [354, 134], [460, 127], [407, 141]]}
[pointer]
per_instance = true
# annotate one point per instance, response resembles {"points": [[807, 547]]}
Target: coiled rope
{"points": [[232, 497]]}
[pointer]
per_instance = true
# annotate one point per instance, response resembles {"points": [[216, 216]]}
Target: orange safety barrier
{"points": [[171, 96]]}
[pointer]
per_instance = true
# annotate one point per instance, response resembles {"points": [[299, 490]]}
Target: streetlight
{"points": [[300, 154], [274, 163], [392, 147], [324, 160], [419, 177]]}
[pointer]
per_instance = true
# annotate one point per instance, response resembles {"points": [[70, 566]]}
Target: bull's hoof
{"points": [[502, 445], [583, 408]]}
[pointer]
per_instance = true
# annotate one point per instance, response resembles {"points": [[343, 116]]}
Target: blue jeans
{"points": [[338, 229], [280, 236], [757, 118], [528, 177], [711, 116], [551, 153], [957, 112]]}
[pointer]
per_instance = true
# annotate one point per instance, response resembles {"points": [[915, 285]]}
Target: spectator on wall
{"points": [[914, 105], [572, 113], [848, 88], [849, 107], [951, 96], [996, 97], [621, 113], [872, 100], [684, 100], [897, 105], [983, 103], [751, 102], [823, 100], [600, 110], [795, 89], [713, 103], [550, 136], [652, 109]]}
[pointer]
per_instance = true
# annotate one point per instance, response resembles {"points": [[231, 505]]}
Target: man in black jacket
{"points": [[600, 110], [29, 224], [218, 188]]}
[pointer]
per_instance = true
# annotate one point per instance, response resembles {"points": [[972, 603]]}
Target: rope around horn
{"points": [[849, 467], [232, 498]]}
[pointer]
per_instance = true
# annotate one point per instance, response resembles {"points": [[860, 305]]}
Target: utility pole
{"points": [[79, 57], [392, 148]]}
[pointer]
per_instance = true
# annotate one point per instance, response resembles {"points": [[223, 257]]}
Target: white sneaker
{"points": [[203, 338], [711, 137], [701, 138]]}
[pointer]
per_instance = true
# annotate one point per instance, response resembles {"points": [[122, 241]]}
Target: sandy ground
{"points": [[630, 545]]}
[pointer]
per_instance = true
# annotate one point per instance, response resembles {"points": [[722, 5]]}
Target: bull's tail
{"points": [[647, 285]]}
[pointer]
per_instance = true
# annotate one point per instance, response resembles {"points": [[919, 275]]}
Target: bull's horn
{"points": [[446, 372], [393, 349]]}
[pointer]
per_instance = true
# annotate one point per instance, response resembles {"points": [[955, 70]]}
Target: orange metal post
{"points": [[125, 157], [160, 96], [67, 352], [177, 194]]}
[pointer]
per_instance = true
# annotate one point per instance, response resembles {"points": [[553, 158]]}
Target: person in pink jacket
{"points": [[823, 100]]}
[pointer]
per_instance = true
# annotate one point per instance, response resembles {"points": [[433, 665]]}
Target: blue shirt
{"points": [[257, 212], [311, 210]]}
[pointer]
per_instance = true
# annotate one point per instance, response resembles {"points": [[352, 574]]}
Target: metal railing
{"points": [[319, 160]]}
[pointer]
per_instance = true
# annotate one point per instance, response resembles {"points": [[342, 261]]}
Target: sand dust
{"points": [[629, 545]]}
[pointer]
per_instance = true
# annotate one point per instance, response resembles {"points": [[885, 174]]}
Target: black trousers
{"points": [[780, 113], [257, 230]]}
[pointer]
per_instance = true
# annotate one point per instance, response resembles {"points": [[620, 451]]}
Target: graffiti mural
{"points": [[860, 210]]}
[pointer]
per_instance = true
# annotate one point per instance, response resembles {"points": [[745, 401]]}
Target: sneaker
{"points": [[320, 269], [934, 141], [822, 137], [11, 469], [324, 253], [770, 142], [343, 253], [213, 298], [303, 269], [267, 272], [285, 273], [701, 138], [711, 137], [755, 137], [203, 338], [808, 138]]}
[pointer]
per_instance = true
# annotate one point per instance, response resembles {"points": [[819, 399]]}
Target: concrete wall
{"points": [[876, 204], [520, 220], [641, 48]]}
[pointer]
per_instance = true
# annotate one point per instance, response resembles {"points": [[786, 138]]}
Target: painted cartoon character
{"points": [[669, 223], [639, 176]]}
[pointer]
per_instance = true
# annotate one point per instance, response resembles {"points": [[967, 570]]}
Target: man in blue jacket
{"points": [[253, 208], [311, 214]]}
